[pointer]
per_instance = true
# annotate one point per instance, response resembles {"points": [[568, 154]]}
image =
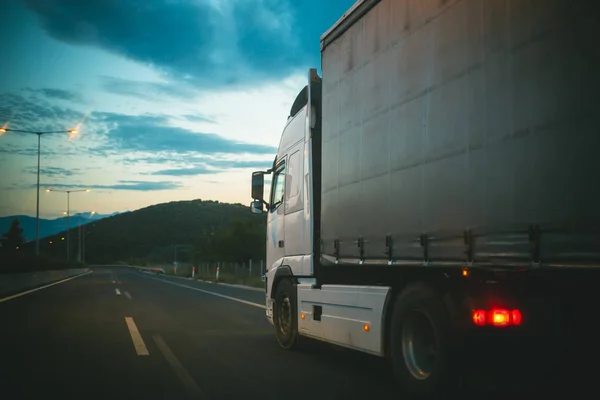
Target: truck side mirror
{"points": [[257, 207], [258, 186]]}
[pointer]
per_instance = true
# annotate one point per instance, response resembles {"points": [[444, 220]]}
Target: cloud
{"points": [[36, 113], [199, 118], [141, 186], [150, 91], [185, 171], [53, 171], [21, 151], [212, 167], [242, 164], [206, 43], [152, 133], [59, 94]]}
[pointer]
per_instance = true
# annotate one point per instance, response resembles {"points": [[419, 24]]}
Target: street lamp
{"points": [[37, 203], [68, 192]]}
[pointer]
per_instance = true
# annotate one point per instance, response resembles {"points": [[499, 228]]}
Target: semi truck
{"points": [[439, 183]]}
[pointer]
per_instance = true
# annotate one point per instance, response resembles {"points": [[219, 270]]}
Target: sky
{"points": [[172, 99]]}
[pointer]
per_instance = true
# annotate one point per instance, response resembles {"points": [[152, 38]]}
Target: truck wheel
{"points": [[420, 337], [285, 315]]}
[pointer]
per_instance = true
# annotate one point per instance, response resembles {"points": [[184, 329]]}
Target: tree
{"points": [[14, 237]]}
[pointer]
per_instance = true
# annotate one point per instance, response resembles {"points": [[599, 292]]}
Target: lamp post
{"points": [[37, 203], [68, 192]]}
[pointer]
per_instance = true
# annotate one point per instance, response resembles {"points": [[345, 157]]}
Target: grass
{"points": [[186, 271], [252, 281]]}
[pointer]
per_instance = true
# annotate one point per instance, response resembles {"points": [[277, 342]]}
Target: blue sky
{"points": [[174, 99]]}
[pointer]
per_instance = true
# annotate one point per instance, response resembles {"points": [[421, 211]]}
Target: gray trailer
{"points": [[437, 186], [462, 132]]}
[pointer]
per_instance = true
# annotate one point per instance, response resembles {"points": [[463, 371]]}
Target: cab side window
{"points": [[278, 188], [293, 195]]}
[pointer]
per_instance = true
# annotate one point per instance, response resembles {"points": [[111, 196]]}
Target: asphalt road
{"points": [[119, 333], [72, 340]]}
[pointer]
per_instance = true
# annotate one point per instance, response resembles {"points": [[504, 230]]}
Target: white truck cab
{"points": [[289, 208]]}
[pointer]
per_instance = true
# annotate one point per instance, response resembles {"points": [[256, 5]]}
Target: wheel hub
{"points": [[418, 345], [285, 316]]}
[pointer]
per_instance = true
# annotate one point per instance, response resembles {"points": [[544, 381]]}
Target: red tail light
{"points": [[516, 317], [497, 317], [479, 317]]}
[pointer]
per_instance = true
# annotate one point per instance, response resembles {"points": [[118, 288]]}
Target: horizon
{"points": [[166, 109]]}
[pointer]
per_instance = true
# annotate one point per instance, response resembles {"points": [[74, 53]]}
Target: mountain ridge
{"points": [[200, 230], [49, 227]]}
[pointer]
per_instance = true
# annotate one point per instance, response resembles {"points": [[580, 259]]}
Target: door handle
{"points": [[281, 243]]}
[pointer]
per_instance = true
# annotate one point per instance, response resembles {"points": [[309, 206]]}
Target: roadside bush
{"points": [[23, 262]]}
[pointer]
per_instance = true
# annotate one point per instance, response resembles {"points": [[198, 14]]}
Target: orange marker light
{"points": [[500, 317], [465, 272], [302, 316], [366, 328]]}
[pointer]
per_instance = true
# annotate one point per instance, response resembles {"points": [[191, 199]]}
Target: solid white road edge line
{"points": [[14, 296], [138, 342], [179, 369], [214, 294], [127, 295]]}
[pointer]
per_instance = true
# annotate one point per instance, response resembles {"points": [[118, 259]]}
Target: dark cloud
{"points": [[36, 114], [152, 133], [113, 134], [201, 42], [53, 171], [21, 151], [59, 94]]}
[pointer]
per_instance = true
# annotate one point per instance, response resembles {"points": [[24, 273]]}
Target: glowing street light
{"points": [[37, 204], [68, 192]]}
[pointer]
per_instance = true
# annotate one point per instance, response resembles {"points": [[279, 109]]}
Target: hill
{"points": [[48, 227], [202, 230]]}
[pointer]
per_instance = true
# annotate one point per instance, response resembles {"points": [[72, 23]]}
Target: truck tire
{"points": [[285, 314], [420, 341]]}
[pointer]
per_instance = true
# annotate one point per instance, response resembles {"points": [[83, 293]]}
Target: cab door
{"points": [[276, 217]]}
